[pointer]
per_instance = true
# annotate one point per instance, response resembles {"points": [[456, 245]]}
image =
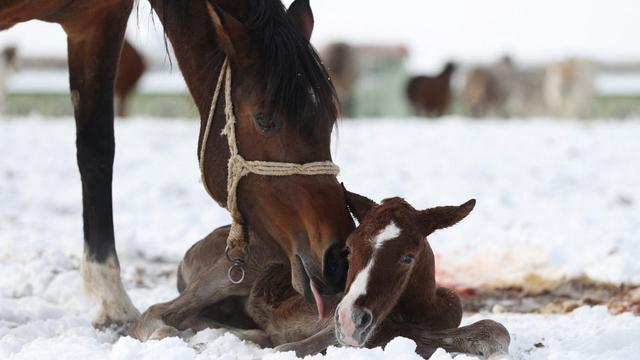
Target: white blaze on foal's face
{"points": [[347, 312]]}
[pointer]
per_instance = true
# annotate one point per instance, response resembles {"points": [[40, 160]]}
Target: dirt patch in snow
{"points": [[537, 294]]}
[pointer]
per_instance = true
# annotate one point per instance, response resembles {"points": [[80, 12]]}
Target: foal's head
{"points": [[386, 250], [285, 107]]}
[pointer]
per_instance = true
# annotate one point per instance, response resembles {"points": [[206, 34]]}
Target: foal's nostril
{"points": [[363, 319], [335, 267]]}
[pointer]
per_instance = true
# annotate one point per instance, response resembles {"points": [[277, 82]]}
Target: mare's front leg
{"points": [[94, 41], [485, 338]]}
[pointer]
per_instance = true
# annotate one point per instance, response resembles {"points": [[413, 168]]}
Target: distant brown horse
{"points": [[130, 70], [487, 89], [7, 66], [339, 58], [285, 108], [391, 292], [431, 95]]}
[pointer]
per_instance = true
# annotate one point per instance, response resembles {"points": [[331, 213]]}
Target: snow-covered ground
{"points": [[554, 197]]}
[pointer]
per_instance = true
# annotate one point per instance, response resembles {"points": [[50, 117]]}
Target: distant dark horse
{"points": [[7, 66], [430, 95], [130, 70], [339, 58], [285, 108]]}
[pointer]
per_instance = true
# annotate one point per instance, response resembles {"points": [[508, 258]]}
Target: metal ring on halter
{"points": [[236, 263], [236, 266]]}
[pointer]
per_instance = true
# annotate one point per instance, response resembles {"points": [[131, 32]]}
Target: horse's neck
{"points": [[264, 251], [192, 35]]}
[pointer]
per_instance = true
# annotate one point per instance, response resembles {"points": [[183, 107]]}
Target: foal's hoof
{"points": [[489, 339], [147, 327], [258, 337], [164, 332]]}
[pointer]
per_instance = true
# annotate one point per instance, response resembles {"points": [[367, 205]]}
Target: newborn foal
{"points": [[392, 270], [391, 283]]}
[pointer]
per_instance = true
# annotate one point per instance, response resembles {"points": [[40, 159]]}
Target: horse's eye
{"points": [[407, 260], [265, 123]]}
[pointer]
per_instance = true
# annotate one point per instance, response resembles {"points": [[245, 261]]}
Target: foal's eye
{"points": [[265, 123], [407, 260]]}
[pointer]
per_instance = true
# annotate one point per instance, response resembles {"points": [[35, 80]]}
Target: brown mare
{"points": [[130, 69], [431, 95], [391, 291], [285, 108]]}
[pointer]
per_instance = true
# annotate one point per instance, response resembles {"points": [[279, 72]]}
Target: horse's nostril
{"points": [[335, 267]]}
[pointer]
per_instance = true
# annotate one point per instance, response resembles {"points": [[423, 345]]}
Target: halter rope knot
{"points": [[237, 167]]}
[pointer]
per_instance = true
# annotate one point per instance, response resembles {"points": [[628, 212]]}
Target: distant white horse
{"points": [[7, 66], [562, 89], [569, 88]]}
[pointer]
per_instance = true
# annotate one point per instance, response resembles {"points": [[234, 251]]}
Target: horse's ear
{"points": [[358, 205], [442, 217], [232, 35], [302, 17]]}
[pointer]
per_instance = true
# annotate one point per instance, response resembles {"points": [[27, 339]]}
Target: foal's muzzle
{"points": [[356, 329]]}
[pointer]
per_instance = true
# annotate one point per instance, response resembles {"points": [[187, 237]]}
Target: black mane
{"points": [[297, 83]]}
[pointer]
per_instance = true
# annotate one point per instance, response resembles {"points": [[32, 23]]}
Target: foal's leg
{"points": [[211, 286], [486, 338], [94, 42], [313, 344], [289, 320], [198, 322]]}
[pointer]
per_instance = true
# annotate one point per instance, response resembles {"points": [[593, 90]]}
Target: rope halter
{"points": [[238, 167]]}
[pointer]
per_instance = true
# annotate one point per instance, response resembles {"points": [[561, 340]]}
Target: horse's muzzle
{"points": [[335, 268]]}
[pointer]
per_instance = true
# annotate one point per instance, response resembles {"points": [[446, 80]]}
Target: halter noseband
{"points": [[238, 167]]}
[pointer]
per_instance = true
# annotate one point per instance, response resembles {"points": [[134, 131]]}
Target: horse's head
{"points": [[285, 108], [388, 247], [450, 67]]}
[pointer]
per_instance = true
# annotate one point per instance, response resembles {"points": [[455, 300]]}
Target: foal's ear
{"points": [[232, 35], [443, 216], [358, 205], [302, 17]]}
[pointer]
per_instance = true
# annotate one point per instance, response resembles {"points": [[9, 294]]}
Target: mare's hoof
{"points": [[118, 318]]}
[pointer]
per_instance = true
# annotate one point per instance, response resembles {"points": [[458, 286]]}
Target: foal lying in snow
{"points": [[391, 286], [391, 291]]}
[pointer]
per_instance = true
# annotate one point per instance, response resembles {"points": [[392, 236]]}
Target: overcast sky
{"points": [[434, 30]]}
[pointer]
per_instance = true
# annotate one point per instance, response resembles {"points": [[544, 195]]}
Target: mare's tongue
{"points": [[326, 304]]}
